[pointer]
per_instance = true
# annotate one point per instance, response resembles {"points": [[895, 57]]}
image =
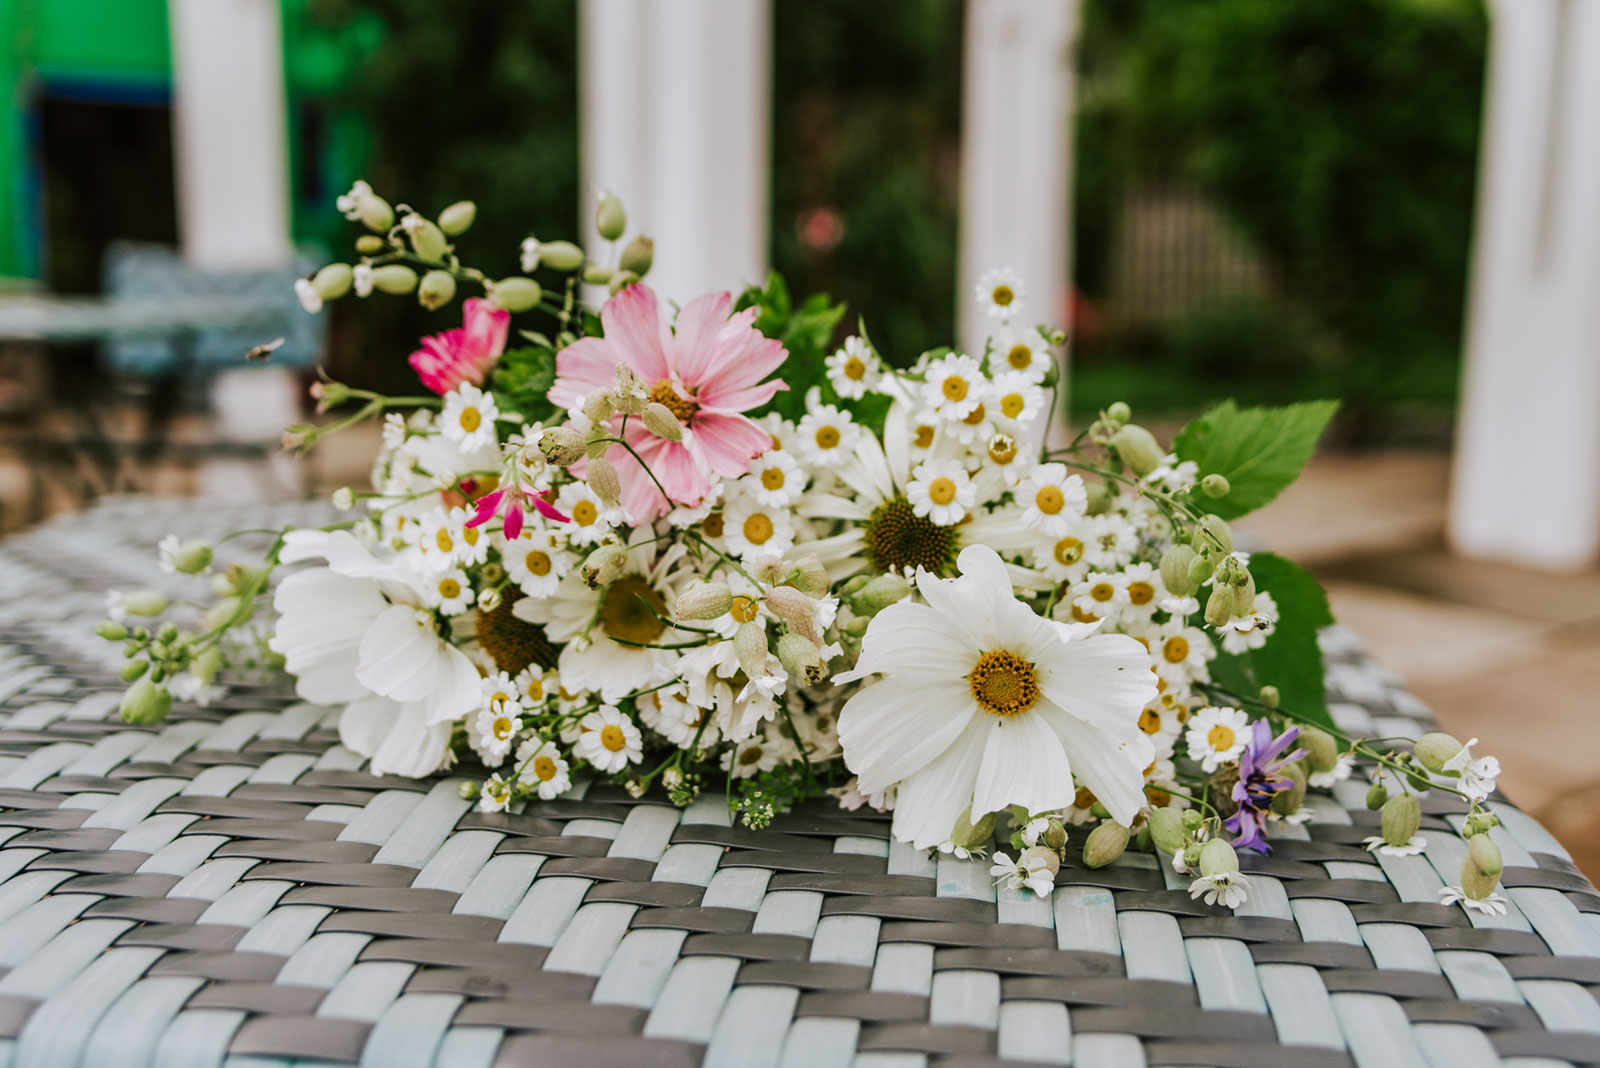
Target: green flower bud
{"points": [[1244, 593], [750, 646], [111, 630], [704, 600], [1377, 794], [1270, 698], [1215, 486], [1287, 802], [1201, 568], [604, 565], [1052, 860], [438, 288], [395, 279], [561, 446], [603, 479], [1177, 563], [1476, 884], [1099, 811], [1192, 819], [796, 610], [856, 627], [609, 217], [515, 294], [808, 575], [376, 214], [1119, 412], [1434, 749], [1418, 778], [1105, 843], [1217, 856], [1216, 532], [333, 281], [561, 256], [1099, 497], [426, 238], [458, 217], [192, 557], [1055, 835], [1191, 856], [369, 244], [620, 281], [133, 669], [1167, 831], [167, 633], [879, 593], [1401, 817], [223, 609], [1480, 823], [207, 664], [800, 658], [1219, 606], [596, 275], [638, 256], [1322, 751], [969, 835], [1484, 855], [145, 703], [469, 791], [659, 420], [1138, 449]]}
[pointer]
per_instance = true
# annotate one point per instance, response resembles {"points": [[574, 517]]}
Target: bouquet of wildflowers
{"points": [[719, 547]]}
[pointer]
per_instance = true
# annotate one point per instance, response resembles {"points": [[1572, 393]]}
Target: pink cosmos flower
{"points": [[465, 354], [708, 368]]}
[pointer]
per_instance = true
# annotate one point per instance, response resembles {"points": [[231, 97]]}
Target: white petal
{"points": [[927, 803], [401, 658], [1023, 764], [1110, 765], [1104, 679], [913, 639], [396, 737], [321, 618], [456, 689], [890, 730]]}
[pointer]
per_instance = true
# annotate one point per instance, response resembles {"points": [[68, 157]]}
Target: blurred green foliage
{"points": [[1340, 137]]}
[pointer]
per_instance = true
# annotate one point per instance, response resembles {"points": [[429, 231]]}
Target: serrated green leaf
{"points": [[1258, 450]]}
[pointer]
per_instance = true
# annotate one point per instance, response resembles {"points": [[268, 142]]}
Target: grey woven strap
{"points": [[232, 887]]}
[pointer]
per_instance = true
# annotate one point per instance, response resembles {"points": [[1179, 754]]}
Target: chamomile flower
{"points": [[494, 728], [775, 479], [978, 424], [468, 418], [1182, 653], [760, 752], [942, 491], [592, 519], [1063, 559], [853, 370], [826, 436], [609, 740], [1099, 595], [1020, 351], [535, 686], [924, 437], [1217, 736], [440, 537], [540, 765], [1143, 585], [449, 591], [495, 795], [672, 715], [1052, 499], [954, 387], [1003, 455], [751, 529], [1017, 398], [472, 547], [1112, 541], [1000, 293], [536, 561]]}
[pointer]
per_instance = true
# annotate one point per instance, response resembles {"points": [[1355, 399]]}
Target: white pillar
{"points": [[676, 120], [1016, 130], [230, 132], [1527, 466]]}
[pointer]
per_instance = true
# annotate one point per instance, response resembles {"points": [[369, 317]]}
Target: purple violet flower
{"points": [[1260, 778]]}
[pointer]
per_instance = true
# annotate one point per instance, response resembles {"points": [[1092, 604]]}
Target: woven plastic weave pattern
{"points": [[231, 887]]}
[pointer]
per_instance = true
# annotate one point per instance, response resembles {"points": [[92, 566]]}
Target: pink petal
{"points": [[751, 358], [550, 511], [632, 321], [588, 364], [485, 328], [729, 441], [484, 507], [742, 400], [694, 342], [513, 522]]}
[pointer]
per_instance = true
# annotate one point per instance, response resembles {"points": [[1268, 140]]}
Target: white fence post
{"points": [[230, 132], [675, 119], [1016, 131], [1527, 464]]}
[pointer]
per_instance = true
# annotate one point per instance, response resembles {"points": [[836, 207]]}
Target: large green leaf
{"points": [[806, 331], [522, 378], [1259, 450]]}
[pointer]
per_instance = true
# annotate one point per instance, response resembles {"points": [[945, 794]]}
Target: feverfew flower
{"points": [[775, 480], [536, 561], [1052, 499], [751, 529], [468, 418], [592, 519], [826, 436], [1216, 736], [1172, 475], [495, 795], [1477, 776], [853, 370], [609, 740], [1000, 293], [941, 490], [1022, 352], [1030, 871], [539, 765], [954, 387], [1017, 397], [450, 592]]}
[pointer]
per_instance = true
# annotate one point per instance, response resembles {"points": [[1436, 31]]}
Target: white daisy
{"points": [[1030, 871], [751, 529], [495, 795], [609, 740], [1002, 454], [1000, 292], [985, 703], [449, 591], [591, 518], [1112, 541], [1216, 736], [853, 370], [755, 754], [1182, 653], [536, 561], [1052, 499], [775, 479], [440, 537], [1493, 905], [1376, 843], [468, 417], [941, 490], [1017, 398], [540, 765], [672, 715], [1023, 352], [826, 436], [1063, 559], [492, 733], [1143, 585], [1477, 776], [535, 686], [1227, 888], [1099, 595], [954, 387]]}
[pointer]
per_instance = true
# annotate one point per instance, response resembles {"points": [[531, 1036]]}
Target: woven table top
{"points": [[231, 887]]}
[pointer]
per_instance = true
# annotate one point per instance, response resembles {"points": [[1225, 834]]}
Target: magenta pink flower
{"points": [[465, 354], [708, 369], [513, 502]]}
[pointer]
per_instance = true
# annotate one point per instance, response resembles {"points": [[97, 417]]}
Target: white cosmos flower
{"points": [[853, 370], [540, 765], [1000, 292], [826, 436], [941, 490], [468, 418], [609, 740], [1022, 352], [775, 480], [1477, 776], [1217, 736], [985, 703], [354, 632], [1052, 499]]}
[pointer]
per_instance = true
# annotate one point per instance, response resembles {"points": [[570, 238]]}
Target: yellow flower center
{"points": [[955, 388], [682, 407], [744, 610], [941, 491], [1003, 449], [712, 525], [1049, 499], [544, 768], [449, 589], [534, 690], [469, 535], [537, 562], [584, 513], [444, 541], [1102, 591], [757, 529], [1220, 738], [1011, 405], [1020, 357], [772, 478], [1150, 721], [612, 738], [502, 727], [975, 416], [1080, 616], [828, 437], [626, 610], [1141, 592], [896, 538], [854, 369], [1176, 649], [924, 436], [1068, 551], [1003, 683], [1084, 798], [471, 419], [1002, 295]]}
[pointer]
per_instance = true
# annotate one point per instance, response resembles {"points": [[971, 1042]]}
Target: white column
{"points": [[1016, 130], [1527, 466], [676, 120], [230, 132]]}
